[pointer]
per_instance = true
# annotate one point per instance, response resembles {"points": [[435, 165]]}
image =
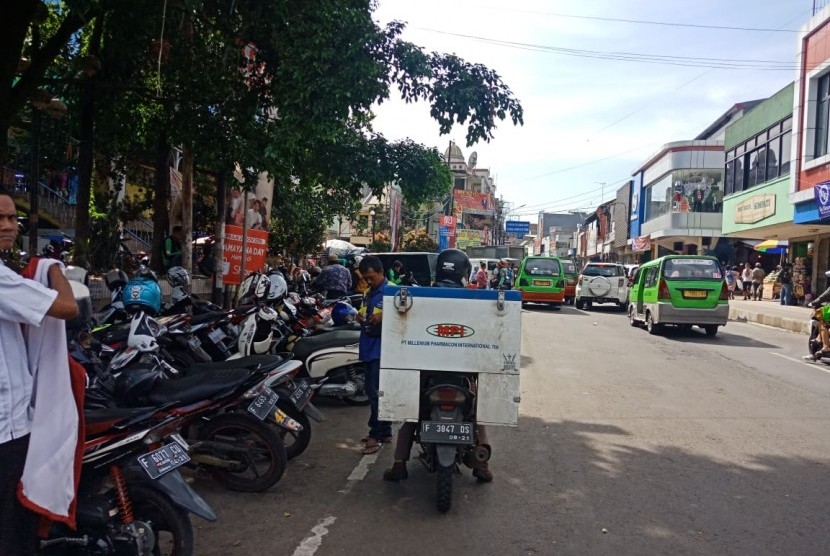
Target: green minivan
{"points": [[682, 290], [541, 280]]}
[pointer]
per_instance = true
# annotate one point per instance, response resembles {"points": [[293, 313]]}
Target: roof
{"points": [[727, 117]]}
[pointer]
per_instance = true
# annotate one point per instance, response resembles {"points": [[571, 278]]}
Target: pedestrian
{"points": [[395, 274], [757, 282], [786, 279], [731, 277], [370, 317], [22, 302], [481, 276], [171, 255], [335, 279], [746, 277]]}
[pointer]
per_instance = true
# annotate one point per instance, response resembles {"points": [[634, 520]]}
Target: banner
{"points": [[470, 202], [467, 238], [255, 253], [821, 192], [443, 238], [641, 243]]}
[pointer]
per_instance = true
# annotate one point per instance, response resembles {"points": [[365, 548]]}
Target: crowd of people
{"points": [[790, 283]]}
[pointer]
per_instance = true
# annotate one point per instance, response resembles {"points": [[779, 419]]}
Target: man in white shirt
{"points": [[26, 302]]}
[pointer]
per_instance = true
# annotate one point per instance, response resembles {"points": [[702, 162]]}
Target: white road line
{"points": [[802, 362], [362, 468], [311, 543]]}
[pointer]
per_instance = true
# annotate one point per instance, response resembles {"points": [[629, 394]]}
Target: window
{"points": [[756, 165], [730, 177], [692, 269], [459, 183], [822, 115], [651, 277], [773, 158], [542, 267], [786, 145], [767, 158], [607, 270]]}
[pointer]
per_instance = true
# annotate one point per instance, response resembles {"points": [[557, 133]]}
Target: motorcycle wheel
{"points": [[360, 397], [170, 524], [295, 442], [265, 460], [444, 494]]}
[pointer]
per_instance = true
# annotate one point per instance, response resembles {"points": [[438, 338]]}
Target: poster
{"points": [[258, 209], [255, 253], [467, 238], [472, 203]]}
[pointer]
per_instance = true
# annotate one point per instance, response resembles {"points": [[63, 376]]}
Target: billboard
{"points": [[472, 203], [468, 238], [255, 253]]}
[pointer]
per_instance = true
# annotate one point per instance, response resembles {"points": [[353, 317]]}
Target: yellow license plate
{"points": [[541, 282], [695, 294]]}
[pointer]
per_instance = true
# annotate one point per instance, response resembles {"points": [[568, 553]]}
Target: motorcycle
{"points": [[819, 318], [131, 499], [448, 439]]}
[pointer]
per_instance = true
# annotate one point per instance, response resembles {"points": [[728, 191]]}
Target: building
{"points": [[756, 203], [473, 203], [554, 230], [810, 155]]}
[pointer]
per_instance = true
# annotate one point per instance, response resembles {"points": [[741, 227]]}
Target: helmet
{"points": [[143, 332], [145, 272], [142, 294], [178, 276], [342, 313], [135, 382], [827, 274], [453, 265], [116, 278], [256, 285], [257, 332], [279, 287]]}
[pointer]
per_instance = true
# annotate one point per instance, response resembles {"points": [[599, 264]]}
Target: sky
{"points": [[589, 121]]}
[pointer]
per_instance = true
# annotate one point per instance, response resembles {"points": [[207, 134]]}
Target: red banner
{"points": [[255, 252]]}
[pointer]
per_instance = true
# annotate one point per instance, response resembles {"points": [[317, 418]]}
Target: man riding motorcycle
{"points": [[451, 271], [824, 322]]}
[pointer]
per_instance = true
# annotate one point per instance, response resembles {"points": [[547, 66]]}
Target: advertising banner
{"points": [[470, 202], [255, 253], [641, 243], [821, 192], [467, 238]]}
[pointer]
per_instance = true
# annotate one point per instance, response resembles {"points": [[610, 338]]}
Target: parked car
{"points": [[602, 283], [541, 280], [682, 290], [571, 272]]}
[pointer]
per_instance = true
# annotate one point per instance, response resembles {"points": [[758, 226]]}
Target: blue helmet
{"points": [[142, 294], [342, 313]]}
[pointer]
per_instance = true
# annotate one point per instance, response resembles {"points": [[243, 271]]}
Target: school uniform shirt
{"points": [[22, 301], [369, 347]]}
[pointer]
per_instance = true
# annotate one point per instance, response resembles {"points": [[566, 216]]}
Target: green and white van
{"points": [[682, 290]]}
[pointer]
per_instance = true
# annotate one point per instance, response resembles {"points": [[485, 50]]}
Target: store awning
{"points": [[772, 246]]}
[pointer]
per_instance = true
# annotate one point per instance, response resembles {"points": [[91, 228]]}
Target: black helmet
{"points": [[453, 265]]}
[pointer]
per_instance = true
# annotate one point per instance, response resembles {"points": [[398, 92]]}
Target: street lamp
{"points": [[372, 215]]}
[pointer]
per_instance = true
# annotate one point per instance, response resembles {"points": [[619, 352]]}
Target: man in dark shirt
{"points": [[786, 279], [335, 279]]}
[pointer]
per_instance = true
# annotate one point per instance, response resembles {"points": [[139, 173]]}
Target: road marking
{"points": [[362, 468], [311, 543], [806, 363]]}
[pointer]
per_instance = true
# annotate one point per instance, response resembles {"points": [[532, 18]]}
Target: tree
{"points": [[418, 240]]}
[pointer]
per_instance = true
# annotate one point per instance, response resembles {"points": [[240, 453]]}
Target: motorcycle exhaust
{"points": [[338, 390]]}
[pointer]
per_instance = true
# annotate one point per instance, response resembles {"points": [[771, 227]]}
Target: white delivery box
{"points": [[451, 330]]}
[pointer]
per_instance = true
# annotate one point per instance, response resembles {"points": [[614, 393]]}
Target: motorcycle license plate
{"points": [[262, 406], [437, 432], [301, 394], [193, 342], [160, 461], [216, 335]]}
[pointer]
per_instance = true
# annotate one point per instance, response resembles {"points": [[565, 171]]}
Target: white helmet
{"points": [[278, 287], [254, 287], [257, 332], [143, 332]]}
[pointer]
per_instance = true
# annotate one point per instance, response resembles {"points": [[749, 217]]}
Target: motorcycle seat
{"points": [[334, 339], [249, 363], [198, 386], [207, 317]]}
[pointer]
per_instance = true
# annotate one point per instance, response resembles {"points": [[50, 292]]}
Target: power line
{"points": [[682, 61], [647, 22]]}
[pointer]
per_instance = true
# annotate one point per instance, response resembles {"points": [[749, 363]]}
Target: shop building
{"points": [[810, 152]]}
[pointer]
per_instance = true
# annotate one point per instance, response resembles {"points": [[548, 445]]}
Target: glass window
{"points": [[607, 270], [786, 145], [730, 177], [651, 277], [657, 198], [692, 269], [756, 164], [822, 114], [542, 267], [741, 149], [697, 190], [773, 158], [787, 124]]}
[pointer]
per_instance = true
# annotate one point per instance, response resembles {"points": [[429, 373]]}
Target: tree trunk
{"points": [[16, 17], [86, 154], [187, 208], [161, 193], [219, 237]]}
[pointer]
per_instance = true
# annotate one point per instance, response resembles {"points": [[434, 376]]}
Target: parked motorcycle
{"points": [[131, 499]]}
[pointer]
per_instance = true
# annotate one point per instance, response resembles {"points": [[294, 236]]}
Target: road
{"points": [[627, 444]]}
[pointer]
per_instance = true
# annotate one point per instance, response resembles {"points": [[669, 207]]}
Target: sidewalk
{"points": [[771, 313]]}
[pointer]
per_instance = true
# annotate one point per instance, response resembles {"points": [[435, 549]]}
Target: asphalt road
{"points": [[627, 444]]}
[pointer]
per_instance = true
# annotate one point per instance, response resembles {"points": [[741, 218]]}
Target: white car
{"points": [[602, 283]]}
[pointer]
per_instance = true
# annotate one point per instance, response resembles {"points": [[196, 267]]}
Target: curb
{"points": [[801, 326]]}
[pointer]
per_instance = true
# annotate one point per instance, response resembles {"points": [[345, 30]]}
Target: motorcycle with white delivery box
{"points": [[450, 360]]}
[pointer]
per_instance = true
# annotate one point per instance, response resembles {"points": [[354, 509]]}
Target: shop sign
{"points": [[821, 192], [755, 209]]}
